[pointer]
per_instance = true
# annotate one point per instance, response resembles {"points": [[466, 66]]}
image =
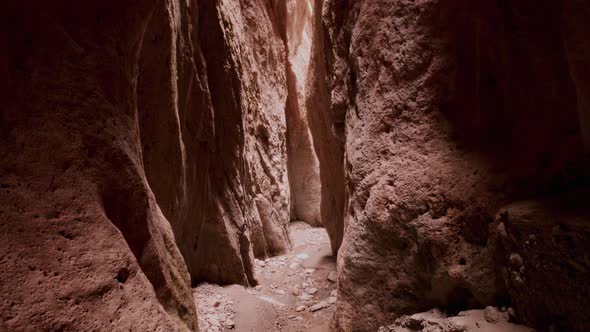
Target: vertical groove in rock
{"points": [[322, 122], [249, 186]]}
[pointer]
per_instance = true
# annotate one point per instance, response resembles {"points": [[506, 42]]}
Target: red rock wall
{"points": [[248, 212], [143, 145], [303, 165], [324, 122], [447, 110], [85, 246]]}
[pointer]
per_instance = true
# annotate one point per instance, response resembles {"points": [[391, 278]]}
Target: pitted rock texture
{"points": [[545, 261], [143, 145], [447, 110]]}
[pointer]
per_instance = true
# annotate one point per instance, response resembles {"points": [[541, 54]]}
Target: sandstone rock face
{"points": [[143, 145], [303, 165], [248, 212], [85, 245], [447, 109], [323, 124], [545, 262]]}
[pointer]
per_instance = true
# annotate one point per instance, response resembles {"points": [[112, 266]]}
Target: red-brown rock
{"points": [[449, 110], [143, 145], [544, 260]]}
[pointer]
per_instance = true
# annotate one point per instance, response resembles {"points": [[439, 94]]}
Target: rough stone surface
{"points": [[248, 208], [146, 145], [85, 245], [465, 321], [446, 110], [325, 126], [545, 261], [143, 144], [303, 165]]}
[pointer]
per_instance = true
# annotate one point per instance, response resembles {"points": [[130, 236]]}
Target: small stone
{"points": [[216, 303], [305, 297], [318, 306], [501, 229], [258, 288], [309, 271], [491, 315], [511, 314], [261, 263], [311, 291], [295, 290], [515, 260], [334, 293], [300, 308], [331, 300], [279, 291], [413, 322], [273, 286], [230, 324], [302, 256], [332, 276]]}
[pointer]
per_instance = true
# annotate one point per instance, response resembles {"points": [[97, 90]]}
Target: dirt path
{"points": [[296, 291]]}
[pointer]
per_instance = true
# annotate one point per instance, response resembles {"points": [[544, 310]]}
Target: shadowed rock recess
{"points": [[149, 146]]}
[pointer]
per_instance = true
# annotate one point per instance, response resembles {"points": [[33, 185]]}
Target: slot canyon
{"points": [[295, 165]]}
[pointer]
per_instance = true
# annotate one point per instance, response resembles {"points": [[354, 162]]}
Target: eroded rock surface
{"points": [[323, 123], [143, 145], [304, 174], [85, 245], [248, 212], [447, 110], [545, 261], [146, 146]]}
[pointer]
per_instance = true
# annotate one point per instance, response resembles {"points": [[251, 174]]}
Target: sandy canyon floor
{"points": [[297, 291]]}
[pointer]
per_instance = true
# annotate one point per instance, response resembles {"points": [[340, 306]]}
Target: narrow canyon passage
{"points": [[295, 165], [296, 291]]}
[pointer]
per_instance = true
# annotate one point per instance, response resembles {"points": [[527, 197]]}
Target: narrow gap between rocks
{"points": [[296, 291]]}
